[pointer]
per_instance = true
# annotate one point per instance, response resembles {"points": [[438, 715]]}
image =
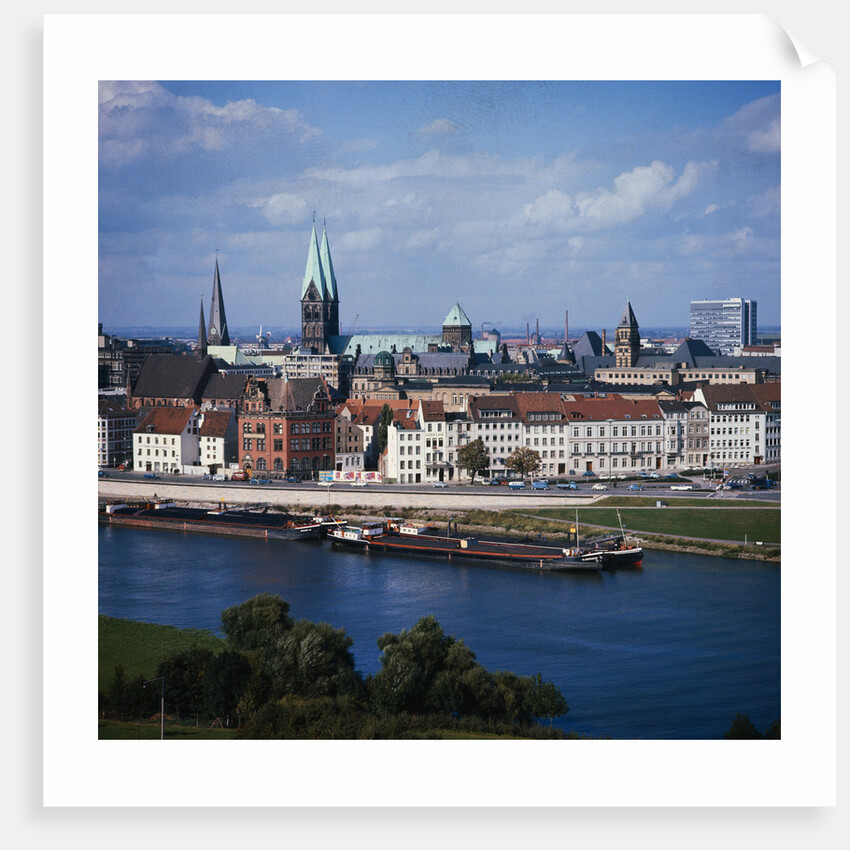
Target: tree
{"points": [[545, 700], [184, 679], [474, 457], [313, 660], [256, 624], [225, 679], [523, 461], [383, 426], [742, 729]]}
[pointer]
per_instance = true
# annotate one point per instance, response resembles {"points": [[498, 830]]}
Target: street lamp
{"points": [[160, 679]]}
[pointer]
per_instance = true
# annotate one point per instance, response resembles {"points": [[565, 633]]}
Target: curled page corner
{"points": [[804, 56]]}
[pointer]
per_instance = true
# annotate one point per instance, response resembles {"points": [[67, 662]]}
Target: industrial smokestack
{"points": [[527, 333], [604, 343], [537, 332]]}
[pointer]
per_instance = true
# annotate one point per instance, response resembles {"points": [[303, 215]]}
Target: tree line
{"points": [[278, 677]]}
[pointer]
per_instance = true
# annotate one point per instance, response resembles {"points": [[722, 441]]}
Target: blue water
{"points": [[671, 651]]}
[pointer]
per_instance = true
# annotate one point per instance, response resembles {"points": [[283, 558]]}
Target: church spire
{"points": [[217, 334], [328, 268], [313, 273], [202, 334]]}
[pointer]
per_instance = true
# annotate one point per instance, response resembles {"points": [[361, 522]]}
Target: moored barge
{"points": [[233, 522], [416, 540]]}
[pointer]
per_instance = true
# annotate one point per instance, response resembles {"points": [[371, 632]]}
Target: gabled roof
{"points": [[457, 317], [689, 350], [215, 423], [166, 420], [581, 409], [224, 387], [172, 376], [432, 411]]}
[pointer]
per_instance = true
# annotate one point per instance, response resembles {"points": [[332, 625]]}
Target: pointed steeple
{"points": [[217, 334], [328, 268], [313, 273], [202, 334], [628, 319]]}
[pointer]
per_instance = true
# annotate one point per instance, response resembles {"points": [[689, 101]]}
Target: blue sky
{"points": [[520, 200]]}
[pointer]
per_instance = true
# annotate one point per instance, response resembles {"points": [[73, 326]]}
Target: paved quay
{"points": [[316, 497]]}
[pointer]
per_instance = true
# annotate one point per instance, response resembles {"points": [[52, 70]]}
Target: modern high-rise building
{"points": [[724, 325]]}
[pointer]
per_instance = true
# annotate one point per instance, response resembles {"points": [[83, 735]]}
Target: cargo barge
{"points": [[416, 540], [247, 521]]}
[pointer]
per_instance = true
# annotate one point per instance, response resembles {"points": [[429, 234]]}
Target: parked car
{"points": [[324, 483], [261, 481], [539, 485], [439, 484], [292, 479], [359, 483], [102, 474], [486, 482], [599, 487], [567, 485], [219, 476], [655, 475], [681, 486], [151, 475], [239, 476], [671, 475], [622, 475], [588, 472], [635, 487], [517, 485]]}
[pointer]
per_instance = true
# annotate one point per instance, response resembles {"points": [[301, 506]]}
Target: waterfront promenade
{"points": [[315, 497]]}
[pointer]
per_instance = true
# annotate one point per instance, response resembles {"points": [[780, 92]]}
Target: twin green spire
{"points": [[320, 270]]}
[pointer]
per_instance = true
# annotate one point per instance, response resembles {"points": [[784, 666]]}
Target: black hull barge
{"points": [[234, 522], [375, 537]]}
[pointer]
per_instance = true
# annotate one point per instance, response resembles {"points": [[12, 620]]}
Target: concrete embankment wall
{"points": [[315, 497]]}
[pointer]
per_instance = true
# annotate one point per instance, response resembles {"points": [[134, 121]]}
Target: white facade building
{"points": [[724, 325], [167, 440]]}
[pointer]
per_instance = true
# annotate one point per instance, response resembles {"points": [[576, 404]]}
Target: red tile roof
{"points": [[166, 420]]}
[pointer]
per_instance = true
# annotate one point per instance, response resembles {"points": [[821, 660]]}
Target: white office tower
{"points": [[724, 325]]}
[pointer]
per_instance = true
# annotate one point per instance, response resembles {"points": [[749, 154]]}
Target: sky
{"points": [[519, 200]]}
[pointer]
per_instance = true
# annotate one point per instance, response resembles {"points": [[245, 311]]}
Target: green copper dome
{"points": [[384, 358]]}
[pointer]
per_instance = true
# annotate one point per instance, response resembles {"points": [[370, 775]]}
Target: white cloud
{"points": [[768, 203], [634, 192], [765, 140], [438, 127], [742, 240], [710, 209], [755, 127], [143, 118], [283, 208], [358, 241]]}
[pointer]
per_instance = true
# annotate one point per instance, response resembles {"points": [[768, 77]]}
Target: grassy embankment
{"points": [[744, 522], [139, 647]]}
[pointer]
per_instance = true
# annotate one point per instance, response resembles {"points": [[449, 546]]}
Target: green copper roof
{"points": [[456, 317], [328, 268], [314, 272]]}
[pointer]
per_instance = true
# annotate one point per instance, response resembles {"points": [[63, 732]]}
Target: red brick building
{"points": [[286, 427]]}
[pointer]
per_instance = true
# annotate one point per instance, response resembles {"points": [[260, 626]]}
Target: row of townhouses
{"points": [[292, 427]]}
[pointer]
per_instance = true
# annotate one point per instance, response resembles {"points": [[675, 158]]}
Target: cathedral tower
{"points": [[319, 297], [627, 339]]}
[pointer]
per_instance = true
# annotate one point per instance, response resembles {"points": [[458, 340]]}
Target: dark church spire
{"points": [[217, 334], [202, 334]]}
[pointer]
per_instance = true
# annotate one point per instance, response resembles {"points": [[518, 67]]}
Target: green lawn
{"points": [[139, 647], [717, 523], [114, 730]]}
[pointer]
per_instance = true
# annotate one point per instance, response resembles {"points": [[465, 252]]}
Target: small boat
{"points": [[616, 551]]}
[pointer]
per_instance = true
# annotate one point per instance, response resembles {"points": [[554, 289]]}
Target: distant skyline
{"points": [[519, 200]]}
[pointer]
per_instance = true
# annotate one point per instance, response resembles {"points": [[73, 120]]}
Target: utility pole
{"points": [[160, 679]]}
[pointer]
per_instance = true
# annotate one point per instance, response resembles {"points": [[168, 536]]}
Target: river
{"points": [[671, 651]]}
